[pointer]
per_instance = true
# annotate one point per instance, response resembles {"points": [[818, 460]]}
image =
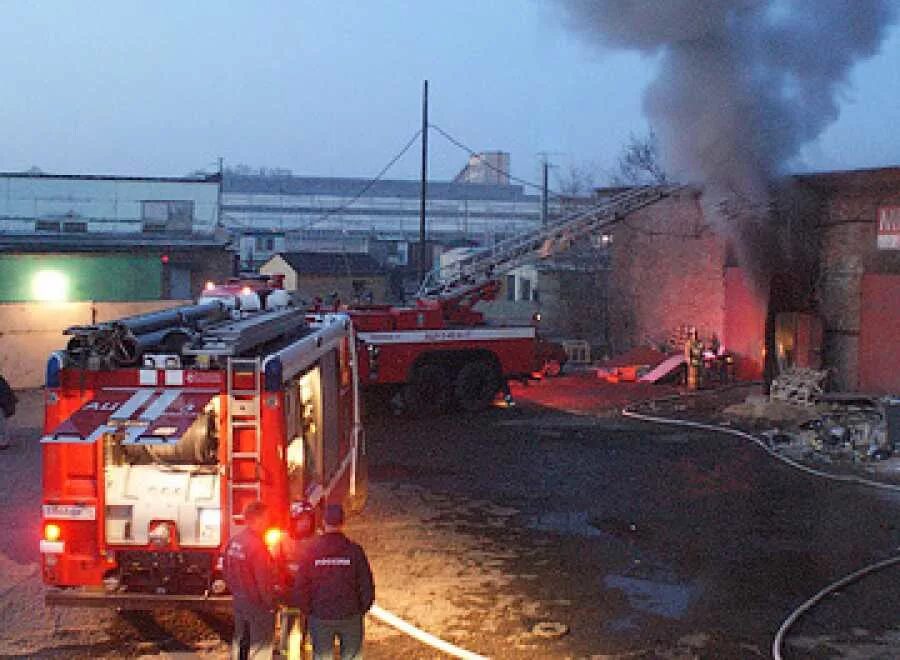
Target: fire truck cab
{"points": [[147, 466]]}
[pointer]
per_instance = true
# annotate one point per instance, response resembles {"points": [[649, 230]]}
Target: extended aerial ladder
{"points": [[475, 277]]}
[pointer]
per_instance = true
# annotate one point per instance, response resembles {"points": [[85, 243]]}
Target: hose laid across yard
{"points": [[831, 588], [845, 478], [853, 577], [424, 637]]}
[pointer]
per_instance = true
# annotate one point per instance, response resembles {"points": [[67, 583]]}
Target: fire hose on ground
{"points": [[777, 643], [426, 638]]}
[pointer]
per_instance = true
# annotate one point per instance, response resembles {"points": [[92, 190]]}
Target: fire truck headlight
{"points": [[160, 534], [52, 532], [272, 537], [50, 286]]}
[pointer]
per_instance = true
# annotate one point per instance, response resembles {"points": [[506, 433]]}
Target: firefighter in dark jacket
{"points": [[7, 410], [335, 589], [250, 577]]}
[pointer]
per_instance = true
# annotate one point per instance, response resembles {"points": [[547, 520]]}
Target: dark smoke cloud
{"points": [[743, 84]]}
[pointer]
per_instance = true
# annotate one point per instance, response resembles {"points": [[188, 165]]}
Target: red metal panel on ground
{"points": [[879, 334], [745, 322]]}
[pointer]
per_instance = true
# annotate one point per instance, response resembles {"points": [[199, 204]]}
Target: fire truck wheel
{"points": [[426, 394], [476, 384], [552, 368]]}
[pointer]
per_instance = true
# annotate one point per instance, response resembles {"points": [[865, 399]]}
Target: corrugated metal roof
{"points": [[349, 187], [93, 242], [205, 178]]}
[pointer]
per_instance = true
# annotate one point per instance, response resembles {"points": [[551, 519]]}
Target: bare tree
{"points": [[579, 180], [639, 162], [576, 186]]}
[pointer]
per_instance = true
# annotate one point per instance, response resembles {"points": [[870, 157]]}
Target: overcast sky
{"points": [[334, 88]]}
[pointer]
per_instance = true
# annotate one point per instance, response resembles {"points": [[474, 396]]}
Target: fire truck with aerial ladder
{"points": [[442, 351], [159, 428]]}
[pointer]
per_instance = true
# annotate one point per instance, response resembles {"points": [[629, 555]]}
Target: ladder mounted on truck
{"points": [[234, 338], [244, 422], [470, 276]]}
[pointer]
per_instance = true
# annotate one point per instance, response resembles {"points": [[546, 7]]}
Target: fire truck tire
{"points": [[426, 394], [552, 368], [476, 385]]}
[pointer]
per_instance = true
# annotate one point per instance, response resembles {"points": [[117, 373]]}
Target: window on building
{"points": [[510, 287], [266, 243], [46, 225], [167, 215], [75, 227], [524, 289]]}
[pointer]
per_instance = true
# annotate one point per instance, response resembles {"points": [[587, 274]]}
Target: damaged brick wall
{"points": [[849, 252], [667, 272]]}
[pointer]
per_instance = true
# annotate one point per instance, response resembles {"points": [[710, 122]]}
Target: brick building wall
{"points": [[670, 269], [854, 345], [667, 272]]}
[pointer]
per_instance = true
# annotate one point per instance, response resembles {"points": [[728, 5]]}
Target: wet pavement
{"points": [[647, 540], [554, 529]]}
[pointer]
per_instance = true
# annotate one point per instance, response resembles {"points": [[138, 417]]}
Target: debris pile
{"points": [[853, 425], [798, 385]]}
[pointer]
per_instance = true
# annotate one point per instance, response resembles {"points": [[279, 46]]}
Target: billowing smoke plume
{"points": [[743, 84]]}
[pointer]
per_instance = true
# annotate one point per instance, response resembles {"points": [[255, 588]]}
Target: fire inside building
{"points": [[810, 280]]}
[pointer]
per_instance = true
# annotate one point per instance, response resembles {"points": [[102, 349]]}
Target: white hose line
{"points": [[796, 614], [844, 581], [845, 478], [424, 637]]}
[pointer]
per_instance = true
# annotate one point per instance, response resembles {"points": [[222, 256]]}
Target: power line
{"points": [[487, 164], [368, 185]]}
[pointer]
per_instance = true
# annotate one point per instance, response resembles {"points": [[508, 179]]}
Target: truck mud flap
{"points": [[135, 601]]}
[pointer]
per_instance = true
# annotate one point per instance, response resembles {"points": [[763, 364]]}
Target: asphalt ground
{"points": [[552, 529]]}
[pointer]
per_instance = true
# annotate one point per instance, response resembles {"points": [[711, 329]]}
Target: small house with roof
{"points": [[353, 277]]}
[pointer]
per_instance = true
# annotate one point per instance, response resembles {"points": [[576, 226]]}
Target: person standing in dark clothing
{"points": [[335, 589], [7, 409], [250, 577]]}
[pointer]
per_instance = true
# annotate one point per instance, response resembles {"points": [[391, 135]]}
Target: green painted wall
{"points": [[28, 277]]}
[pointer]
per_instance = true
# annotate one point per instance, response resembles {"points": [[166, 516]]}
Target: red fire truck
{"points": [[159, 428], [442, 351]]}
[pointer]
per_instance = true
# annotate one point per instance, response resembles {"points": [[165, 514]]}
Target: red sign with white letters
{"points": [[889, 228]]}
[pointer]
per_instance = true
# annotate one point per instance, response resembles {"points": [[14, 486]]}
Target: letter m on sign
{"points": [[889, 228]]}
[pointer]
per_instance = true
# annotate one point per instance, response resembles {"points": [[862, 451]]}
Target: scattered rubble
{"points": [[832, 428], [798, 386]]}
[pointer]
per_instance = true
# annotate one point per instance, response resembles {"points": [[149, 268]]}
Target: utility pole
{"points": [[424, 183], [219, 222], [545, 188], [544, 167]]}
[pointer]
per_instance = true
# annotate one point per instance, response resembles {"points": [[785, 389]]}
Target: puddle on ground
{"points": [[666, 599], [570, 523]]}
